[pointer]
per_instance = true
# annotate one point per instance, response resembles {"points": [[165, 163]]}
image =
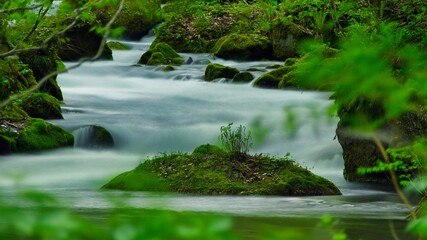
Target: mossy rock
{"points": [[291, 61], [267, 81], [211, 171], [113, 45], [245, 47], [30, 135], [81, 43], [137, 17], [41, 105], [15, 76], [243, 77], [168, 68], [42, 63], [285, 39], [274, 79], [214, 71], [161, 54], [93, 137]]}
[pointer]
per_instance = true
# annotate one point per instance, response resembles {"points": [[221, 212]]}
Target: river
{"points": [[149, 111]]}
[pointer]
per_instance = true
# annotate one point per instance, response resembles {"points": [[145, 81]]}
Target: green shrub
{"points": [[236, 141]]}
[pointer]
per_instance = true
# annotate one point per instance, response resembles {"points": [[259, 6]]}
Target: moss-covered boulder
{"points": [[28, 135], [82, 42], [42, 63], [211, 171], [360, 150], [267, 81], [137, 17], [285, 39], [41, 105], [15, 76], [243, 77], [161, 54], [93, 137], [215, 71], [114, 45], [243, 47]]}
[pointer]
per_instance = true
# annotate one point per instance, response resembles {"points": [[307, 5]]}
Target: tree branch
{"points": [[78, 64], [9, 11]]}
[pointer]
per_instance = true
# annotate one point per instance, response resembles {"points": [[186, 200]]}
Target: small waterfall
{"points": [[93, 137]]}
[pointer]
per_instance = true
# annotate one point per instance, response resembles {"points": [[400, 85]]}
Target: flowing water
{"points": [[149, 111]]}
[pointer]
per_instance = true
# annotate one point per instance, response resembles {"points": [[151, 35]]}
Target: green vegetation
{"points": [[114, 45], [41, 105], [211, 170], [214, 172], [215, 71], [243, 47], [32, 135], [161, 54]]}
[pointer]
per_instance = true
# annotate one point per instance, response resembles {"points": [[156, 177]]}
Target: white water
{"points": [[150, 111]]}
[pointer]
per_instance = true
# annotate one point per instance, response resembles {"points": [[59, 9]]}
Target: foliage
{"points": [[236, 141], [403, 161]]}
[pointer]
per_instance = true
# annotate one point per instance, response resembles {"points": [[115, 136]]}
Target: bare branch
{"points": [[78, 64]]}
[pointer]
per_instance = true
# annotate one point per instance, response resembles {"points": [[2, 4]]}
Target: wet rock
{"points": [[93, 137], [243, 47], [215, 71]]}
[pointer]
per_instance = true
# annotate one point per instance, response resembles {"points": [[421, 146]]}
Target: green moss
{"points": [[267, 81], [243, 47], [214, 71], [157, 58], [161, 54], [208, 149], [168, 69], [113, 45], [40, 135], [291, 61], [15, 77], [28, 135], [137, 17], [243, 77], [211, 171], [41, 105]]}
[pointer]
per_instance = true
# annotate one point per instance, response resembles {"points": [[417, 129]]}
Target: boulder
{"points": [[161, 54], [28, 135], [215, 71], [246, 47], [42, 63], [41, 105], [93, 137], [82, 42], [137, 17], [114, 45], [360, 150], [285, 39], [273, 78], [243, 77], [267, 81]]}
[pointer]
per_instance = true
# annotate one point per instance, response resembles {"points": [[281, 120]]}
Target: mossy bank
{"points": [[211, 171]]}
